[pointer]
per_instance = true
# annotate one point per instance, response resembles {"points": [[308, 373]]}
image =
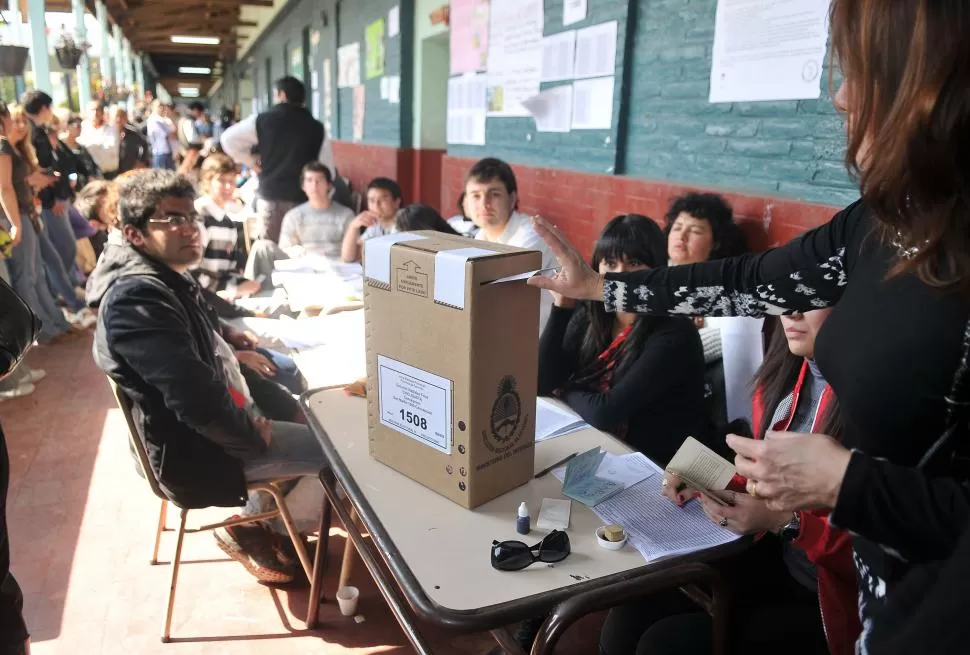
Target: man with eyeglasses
{"points": [[158, 340]]}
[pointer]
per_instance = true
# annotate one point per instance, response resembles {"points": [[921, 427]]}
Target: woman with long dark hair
{"points": [[422, 217], [638, 377], [799, 564], [896, 267]]}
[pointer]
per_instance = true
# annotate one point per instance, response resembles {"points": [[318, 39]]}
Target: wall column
{"points": [[83, 70], [39, 56]]}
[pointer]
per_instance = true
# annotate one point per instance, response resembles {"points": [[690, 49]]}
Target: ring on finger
{"points": [[665, 483], [752, 488], [723, 522]]}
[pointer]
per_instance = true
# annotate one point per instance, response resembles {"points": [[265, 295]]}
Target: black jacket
{"points": [[660, 396], [154, 339], [134, 150], [289, 137], [48, 158], [13, 632]]}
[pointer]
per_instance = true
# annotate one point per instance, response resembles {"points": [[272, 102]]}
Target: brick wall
{"points": [[580, 203]]}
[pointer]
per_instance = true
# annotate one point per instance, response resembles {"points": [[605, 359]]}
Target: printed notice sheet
{"points": [[593, 104], [768, 50], [596, 50], [558, 56], [415, 403], [469, 35], [514, 55], [348, 65], [466, 109], [552, 109]]}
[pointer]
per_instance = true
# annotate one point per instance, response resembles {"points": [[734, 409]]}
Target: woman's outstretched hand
{"points": [[575, 278]]}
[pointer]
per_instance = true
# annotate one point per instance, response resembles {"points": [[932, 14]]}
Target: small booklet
{"points": [[702, 469]]}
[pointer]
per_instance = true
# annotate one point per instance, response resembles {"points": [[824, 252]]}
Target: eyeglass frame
{"points": [[173, 221], [531, 550]]}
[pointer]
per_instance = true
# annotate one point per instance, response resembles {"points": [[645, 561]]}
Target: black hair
{"points": [[777, 376], [140, 194], [317, 167], [387, 184], [729, 240], [34, 101], [489, 169], [196, 106], [633, 239], [227, 116], [292, 88], [422, 217]]}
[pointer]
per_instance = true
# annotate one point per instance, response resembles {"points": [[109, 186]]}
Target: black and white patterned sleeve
{"points": [[808, 273]]}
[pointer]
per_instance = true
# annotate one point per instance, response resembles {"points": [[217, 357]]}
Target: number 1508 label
{"points": [[415, 403]]}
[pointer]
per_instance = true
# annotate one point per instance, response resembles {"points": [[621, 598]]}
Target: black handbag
{"points": [[19, 327]]}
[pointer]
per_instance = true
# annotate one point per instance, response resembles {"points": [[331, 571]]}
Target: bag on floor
{"points": [[19, 327]]}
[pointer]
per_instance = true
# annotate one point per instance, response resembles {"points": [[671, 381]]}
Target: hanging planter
{"points": [[69, 52], [13, 58]]}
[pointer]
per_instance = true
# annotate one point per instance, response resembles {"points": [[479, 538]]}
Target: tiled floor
{"points": [[81, 526]]}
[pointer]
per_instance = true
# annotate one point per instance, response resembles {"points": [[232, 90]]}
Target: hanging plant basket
{"points": [[13, 59], [68, 55]]}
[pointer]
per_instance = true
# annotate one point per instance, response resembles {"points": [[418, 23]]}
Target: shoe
{"points": [[253, 547], [24, 389], [83, 318], [37, 374], [286, 554]]}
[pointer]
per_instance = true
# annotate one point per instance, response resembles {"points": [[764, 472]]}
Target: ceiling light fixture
{"points": [[195, 70], [196, 40], [188, 92]]}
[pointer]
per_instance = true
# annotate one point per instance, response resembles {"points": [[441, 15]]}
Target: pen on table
{"points": [[555, 466]]}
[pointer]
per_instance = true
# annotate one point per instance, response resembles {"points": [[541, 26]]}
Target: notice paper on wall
{"points": [[394, 21], [385, 88], [573, 11], [469, 35], [374, 63], [552, 109], [348, 65], [558, 55], [768, 50], [596, 50], [514, 55], [394, 89], [466, 109], [360, 97], [593, 104], [327, 96]]}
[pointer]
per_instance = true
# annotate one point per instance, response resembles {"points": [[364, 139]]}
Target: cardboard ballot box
{"points": [[452, 362]]}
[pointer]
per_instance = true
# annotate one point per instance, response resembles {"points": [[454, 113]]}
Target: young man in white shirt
{"points": [[317, 226], [102, 139], [491, 201], [383, 202]]}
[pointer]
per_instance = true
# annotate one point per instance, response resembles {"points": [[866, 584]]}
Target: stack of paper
{"points": [[595, 476], [555, 419]]}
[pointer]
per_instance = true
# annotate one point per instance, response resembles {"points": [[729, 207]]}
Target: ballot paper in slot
{"points": [[555, 419], [596, 476], [702, 469]]}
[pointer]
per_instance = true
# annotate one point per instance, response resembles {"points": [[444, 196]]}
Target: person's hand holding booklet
{"points": [[696, 467]]}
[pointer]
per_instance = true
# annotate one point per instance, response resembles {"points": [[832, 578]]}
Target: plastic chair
{"points": [[269, 486]]}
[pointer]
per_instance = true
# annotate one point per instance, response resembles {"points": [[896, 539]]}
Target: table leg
{"points": [[319, 564], [347, 564]]}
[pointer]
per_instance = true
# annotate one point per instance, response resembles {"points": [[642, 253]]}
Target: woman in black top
{"points": [[638, 377], [896, 268]]}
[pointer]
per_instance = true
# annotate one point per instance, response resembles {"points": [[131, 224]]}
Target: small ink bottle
{"points": [[522, 522]]}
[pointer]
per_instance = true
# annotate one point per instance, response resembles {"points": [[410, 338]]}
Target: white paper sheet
{"points": [[393, 21], [768, 50], [466, 109], [348, 65], [394, 89], [593, 104], [573, 11], [385, 88], [742, 350], [558, 56], [554, 419], [655, 526], [596, 51], [514, 55], [628, 470], [552, 109]]}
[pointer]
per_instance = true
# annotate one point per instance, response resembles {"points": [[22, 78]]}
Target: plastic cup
{"points": [[347, 600]]}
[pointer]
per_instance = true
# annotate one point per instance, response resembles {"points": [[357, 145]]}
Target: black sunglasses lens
{"points": [[511, 556], [555, 547]]}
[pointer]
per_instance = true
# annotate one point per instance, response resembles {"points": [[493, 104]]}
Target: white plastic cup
{"points": [[347, 600]]}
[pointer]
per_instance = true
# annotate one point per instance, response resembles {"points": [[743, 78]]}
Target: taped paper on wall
{"points": [[596, 51], [514, 55], [466, 109], [552, 109], [469, 35], [593, 104], [348, 65], [558, 56]]}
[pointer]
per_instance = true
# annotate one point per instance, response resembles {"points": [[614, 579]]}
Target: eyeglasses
{"points": [[178, 221], [515, 555]]}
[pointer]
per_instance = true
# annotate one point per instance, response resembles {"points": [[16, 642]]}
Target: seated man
{"points": [[490, 199], [383, 201], [193, 409], [317, 226]]}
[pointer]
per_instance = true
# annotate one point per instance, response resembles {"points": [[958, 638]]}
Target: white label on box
{"points": [[449, 274], [415, 403]]}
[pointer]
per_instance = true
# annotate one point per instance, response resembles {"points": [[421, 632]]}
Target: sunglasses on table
{"points": [[515, 555]]}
